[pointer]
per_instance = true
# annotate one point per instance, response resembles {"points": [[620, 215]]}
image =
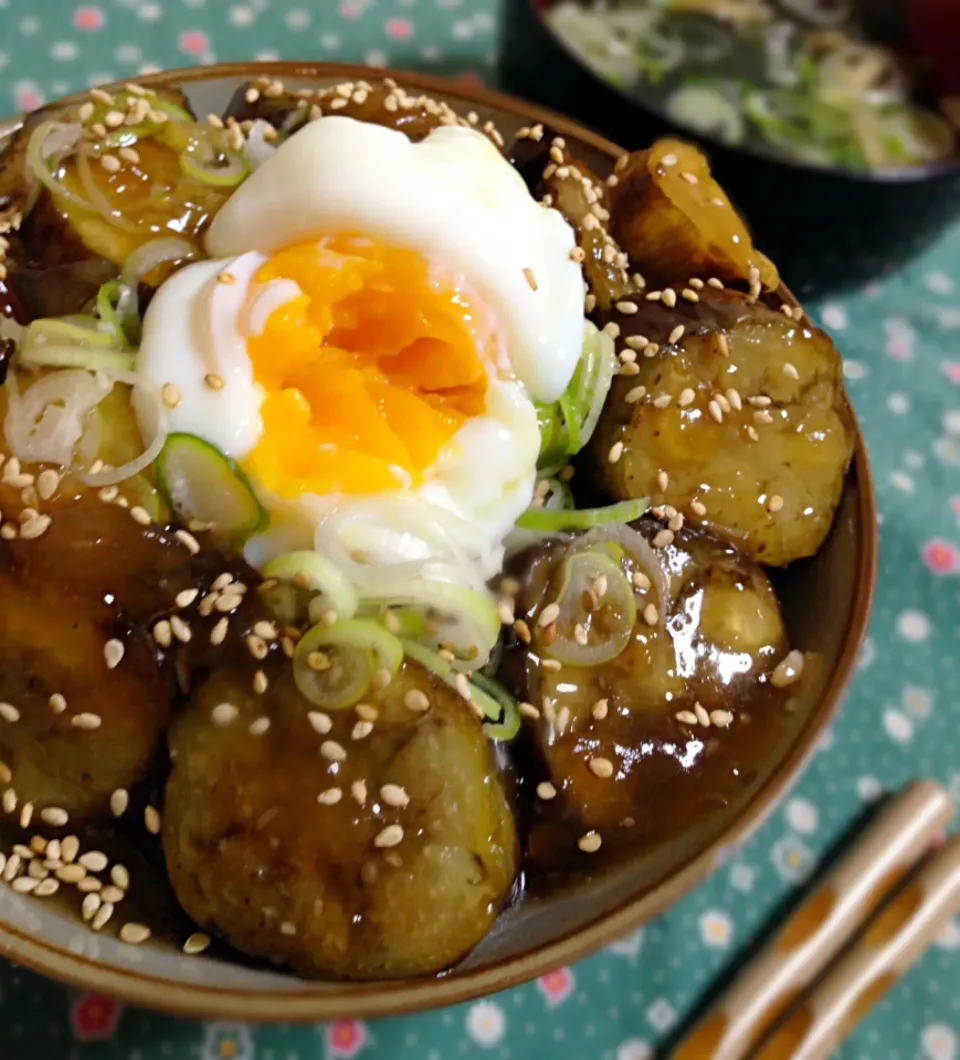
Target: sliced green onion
{"points": [[313, 573], [117, 310], [334, 666], [598, 610], [581, 518], [226, 174], [200, 483], [441, 613], [93, 359], [499, 708]]}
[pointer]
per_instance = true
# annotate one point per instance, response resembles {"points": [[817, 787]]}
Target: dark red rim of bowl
{"points": [[337, 1000]]}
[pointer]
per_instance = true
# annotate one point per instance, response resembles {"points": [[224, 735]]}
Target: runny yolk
{"points": [[368, 373]]}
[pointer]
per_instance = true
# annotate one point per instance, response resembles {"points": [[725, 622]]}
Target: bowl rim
{"points": [[893, 175], [385, 998]]}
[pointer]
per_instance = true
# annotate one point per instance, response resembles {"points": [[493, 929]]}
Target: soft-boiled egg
{"points": [[376, 320]]}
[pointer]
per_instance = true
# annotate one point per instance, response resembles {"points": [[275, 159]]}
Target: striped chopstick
{"points": [[849, 893], [885, 949]]}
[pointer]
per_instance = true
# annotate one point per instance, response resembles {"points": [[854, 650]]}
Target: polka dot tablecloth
{"points": [[901, 718]]}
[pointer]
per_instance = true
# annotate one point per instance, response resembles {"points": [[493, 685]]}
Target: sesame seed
{"points": [[762, 417], [134, 933], [110, 163], [361, 730], [188, 541], [663, 538], [654, 296], [546, 791], [47, 483], [180, 629], [151, 820], [9, 800], [663, 480], [227, 602], [54, 816], [88, 908], [554, 665], [260, 682], [637, 342], [721, 718], [616, 451], [462, 685], [89, 885], [113, 894], [265, 630], [634, 395], [702, 716], [129, 154], [186, 597], [790, 371], [162, 633], [260, 726], [330, 797], [85, 113], [505, 612], [86, 720], [416, 700], [628, 308], [600, 767], [548, 615], [389, 837], [528, 710], [394, 795], [224, 714], [530, 277], [94, 860], [662, 401], [522, 631], [256, 646], [589, 302], [26, 814], [358, 792], [101, 916], [101, 95], [170, 395], [8, 712], [332, 751], [775, 503], [113, 652], [626, 356], [578, 255], [108, 494], [34, 527], [70, 873], [47, 887], [25, 884], [319, 722], [651, 614], [120, 876], [213, 381], [788, 670], [590, 842], [676, 335], [713, 407], [580, 635], [629, 369], [119, 800], [612, 328], [669, 297], [599, 709], [196, 943]]}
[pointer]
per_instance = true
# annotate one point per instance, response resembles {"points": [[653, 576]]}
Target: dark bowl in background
{"points": [[828, 230]]}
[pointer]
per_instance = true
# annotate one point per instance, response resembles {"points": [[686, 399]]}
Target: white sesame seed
{"points": [[394, 795], [330, 797], [8, 712], [196, 943], [319, 722], [669, 297], [257, 646], [9, 800], [651, 614], [94, 860], [790, 371], [663, 538], [188, 541], [599, 709], [676, 335], [47, 483], [69, 848], [54, 816], [223, 714], [86, 721], [25, 884], [89, 885], [101, 916], [170, 395], [151, 820], [788, 670], [88, 908], [546, 791], [528, 710], [259, 726], [389, 837], [120, 876], [113, 894], [600, 767], [713, 407], [113, 652], [134, 933], [462, 685], [332, 751], [186, 597], [762, 417], [110, 163], [361, 730], [119, 800], [721, 718], [775, 503], [616, 451], [358, 792], [548, 615], [26, 814], [590, 842], [416, 700]]}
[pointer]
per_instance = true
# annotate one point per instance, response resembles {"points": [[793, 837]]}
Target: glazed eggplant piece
{"points": [[675, 221], [386, 103], [652, 653], [85, 700], [115, 179], [366, 843], [732, 413]]}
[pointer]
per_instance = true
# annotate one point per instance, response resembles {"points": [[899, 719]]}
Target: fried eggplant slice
{"points": [[77, 721], [699, 634], [385, 103], [558, 179], [367, 843], [675, 221], [732, 413]]}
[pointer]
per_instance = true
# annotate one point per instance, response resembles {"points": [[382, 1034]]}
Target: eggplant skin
{"points": [[253, 855], [767, 475]]}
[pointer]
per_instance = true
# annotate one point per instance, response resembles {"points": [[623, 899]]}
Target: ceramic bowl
{"points": [[828, 230], [825, 600]]}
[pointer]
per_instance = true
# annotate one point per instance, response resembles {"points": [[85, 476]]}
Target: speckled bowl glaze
{"points": [[825, 600], [827, 229]]}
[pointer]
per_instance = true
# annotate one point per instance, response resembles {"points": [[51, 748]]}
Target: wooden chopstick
{"points": [[849, 893], [886, 948]]}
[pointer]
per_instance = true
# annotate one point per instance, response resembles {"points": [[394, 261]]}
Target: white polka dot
{"points": [[898, 403], [898, 726], [938, 282], [60, 88], [376, 58], [742, 877], [430, 52], [267, 57], [29, 25], [834, 316], [913, 626], [127, 53], [634, 1049], [330, 41], [949, 319], [63, 50], [240, 16], [194, 3], [854, 370], [898, 328], [661, 1015], [716, 929], [913, 460], [150, 12], [902, 481], [802, 816], [917, 701], [462, 30], [869, 788], [483, 20], [951, 421], [297, 18]]}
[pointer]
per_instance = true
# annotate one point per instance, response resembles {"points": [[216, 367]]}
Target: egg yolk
{"points": [[368, 372]]}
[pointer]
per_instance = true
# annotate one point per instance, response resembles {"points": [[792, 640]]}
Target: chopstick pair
{"points": [[793, 1001]]}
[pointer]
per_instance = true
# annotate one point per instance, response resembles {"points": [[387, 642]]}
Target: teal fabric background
{"points": [[901, 718]]}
